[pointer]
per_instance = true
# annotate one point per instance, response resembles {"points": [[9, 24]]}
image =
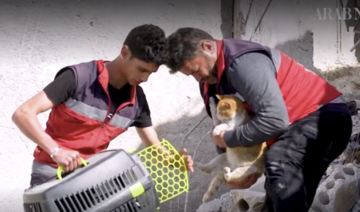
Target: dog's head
{"points": [[228, 106]]}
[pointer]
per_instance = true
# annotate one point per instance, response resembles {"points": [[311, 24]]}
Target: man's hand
{"points": [[68, 159], [247, 182], [189, 163], [219, 140], [149, 137], [188, 160]]}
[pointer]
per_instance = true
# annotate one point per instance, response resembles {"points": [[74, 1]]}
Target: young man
{"points": [[303, 119], [92, 103]]}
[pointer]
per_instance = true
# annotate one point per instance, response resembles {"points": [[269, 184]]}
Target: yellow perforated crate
{"points": [[167, 169]]}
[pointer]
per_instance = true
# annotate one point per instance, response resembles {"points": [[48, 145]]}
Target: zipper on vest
{"points": [[106, 120]]}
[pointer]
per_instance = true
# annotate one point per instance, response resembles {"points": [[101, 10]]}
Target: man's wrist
{"points": [[228, 139], [51, 147], [54, 151]]}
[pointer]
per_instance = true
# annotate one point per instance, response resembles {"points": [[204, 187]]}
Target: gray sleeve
{"points": [[253, 76]]}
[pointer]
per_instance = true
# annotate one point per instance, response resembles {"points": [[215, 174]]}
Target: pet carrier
{"points": [[114, 181]]}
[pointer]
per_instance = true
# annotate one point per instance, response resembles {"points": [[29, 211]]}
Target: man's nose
{"points": [[145, 78], [197, 77]]}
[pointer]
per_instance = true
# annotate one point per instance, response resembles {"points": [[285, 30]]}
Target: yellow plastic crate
{"points": [[169, 173]]}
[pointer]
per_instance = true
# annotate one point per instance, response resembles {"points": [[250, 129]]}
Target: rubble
{"points": [[247, 200], [356, 207], [339, 192]]}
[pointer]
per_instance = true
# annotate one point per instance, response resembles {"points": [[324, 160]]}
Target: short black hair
{"points": [[183, 45], [147, 42]]}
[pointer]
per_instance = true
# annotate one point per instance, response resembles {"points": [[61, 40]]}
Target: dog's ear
{"points": [[218, 96]]}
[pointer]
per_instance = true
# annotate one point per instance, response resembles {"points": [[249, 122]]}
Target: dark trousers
{"points": [[41, 173], [296, 162]]}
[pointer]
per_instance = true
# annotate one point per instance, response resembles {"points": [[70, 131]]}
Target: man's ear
{"points": [[207, 47], [125, 52]]}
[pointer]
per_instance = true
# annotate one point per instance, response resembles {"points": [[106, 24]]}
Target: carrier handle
{"points": [[60, 168]]}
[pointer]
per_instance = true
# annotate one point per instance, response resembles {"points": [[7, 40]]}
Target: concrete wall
{"points": [[316, 33], [299, 27], [39, 37]]}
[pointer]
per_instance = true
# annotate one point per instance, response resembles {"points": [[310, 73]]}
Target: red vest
{"points": [[79, 123], [302, 90]]}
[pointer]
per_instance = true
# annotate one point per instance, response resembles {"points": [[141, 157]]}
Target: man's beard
{"points": [[211, 66], [212, 77]]}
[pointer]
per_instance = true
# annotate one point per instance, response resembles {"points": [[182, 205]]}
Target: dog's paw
{"points": [[227, 174], [227, 177], [227, 170], [206, 198], [217, 131]]}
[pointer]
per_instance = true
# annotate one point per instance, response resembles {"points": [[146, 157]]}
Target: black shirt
{"points": [[63, 87]]}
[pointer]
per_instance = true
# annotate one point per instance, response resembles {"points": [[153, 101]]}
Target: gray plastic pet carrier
{"points": [[112, 181]]}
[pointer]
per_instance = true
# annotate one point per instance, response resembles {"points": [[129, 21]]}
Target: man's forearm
{"points": [[29, 125], [254, 132], [253, 76], [148, 136]]}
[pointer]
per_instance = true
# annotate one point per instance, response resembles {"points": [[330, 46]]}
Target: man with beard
{"points": [[302, 118]]}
